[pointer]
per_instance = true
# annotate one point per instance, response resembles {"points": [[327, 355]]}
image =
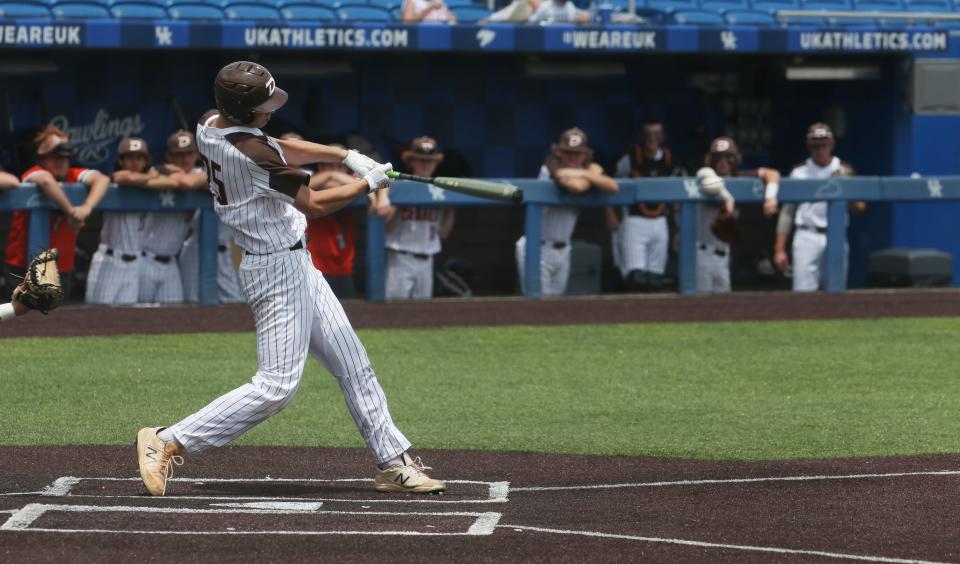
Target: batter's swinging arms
{"points": [[261, 194]]}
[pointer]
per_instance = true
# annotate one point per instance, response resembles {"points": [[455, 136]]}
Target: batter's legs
{"points": [[279, 294], [334, 344]]}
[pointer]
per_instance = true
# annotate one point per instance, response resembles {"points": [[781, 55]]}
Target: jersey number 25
{"points": [[217, 188]]}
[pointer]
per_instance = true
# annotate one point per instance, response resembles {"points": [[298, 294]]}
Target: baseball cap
{"points": [[181, 141], [133, 145], [55, 145], [423, 148], [819, 132], [573, 139]]}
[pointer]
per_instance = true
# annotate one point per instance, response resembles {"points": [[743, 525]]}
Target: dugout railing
{"points": [[537, 195]]}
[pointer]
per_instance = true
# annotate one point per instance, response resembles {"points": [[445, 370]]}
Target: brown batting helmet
{"points": [[242, 88], [724, 146]]}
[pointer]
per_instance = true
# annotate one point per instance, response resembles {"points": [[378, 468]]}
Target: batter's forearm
{"points": [[298, 152], [318, 203]]}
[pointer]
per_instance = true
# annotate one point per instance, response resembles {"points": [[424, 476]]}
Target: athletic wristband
{"points": [[773, 188], [7, 313]]}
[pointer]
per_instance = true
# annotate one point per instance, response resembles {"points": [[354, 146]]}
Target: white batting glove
{"points": [[359, 163], [377, 177]]}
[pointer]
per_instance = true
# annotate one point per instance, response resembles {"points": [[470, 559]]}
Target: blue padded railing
{"points": [[537, 195]]}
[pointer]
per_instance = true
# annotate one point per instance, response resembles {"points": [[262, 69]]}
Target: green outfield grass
{"points": [[720, 390]]}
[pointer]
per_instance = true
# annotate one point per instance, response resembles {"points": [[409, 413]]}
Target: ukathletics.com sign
{"points": [[873, 40], [321, 37]]}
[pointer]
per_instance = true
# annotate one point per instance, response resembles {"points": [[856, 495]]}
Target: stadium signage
{"points": [[320, 37], [606, 39], [95, 139], [40, 35], [873, 41]]}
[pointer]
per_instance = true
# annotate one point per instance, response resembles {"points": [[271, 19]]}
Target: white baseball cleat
{"points": [[408, 478], [156, 459]]}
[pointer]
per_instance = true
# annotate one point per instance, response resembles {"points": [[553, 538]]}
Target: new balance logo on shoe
{"points": [[151, 453], [402, 479]]}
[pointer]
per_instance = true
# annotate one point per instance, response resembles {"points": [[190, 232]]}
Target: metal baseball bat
{"points": [[471, 186]]}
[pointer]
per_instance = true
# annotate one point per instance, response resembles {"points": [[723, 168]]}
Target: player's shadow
{"points": [[256, 489]]}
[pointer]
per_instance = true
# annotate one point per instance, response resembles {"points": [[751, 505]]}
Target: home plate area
{"points": [[498, 507]]}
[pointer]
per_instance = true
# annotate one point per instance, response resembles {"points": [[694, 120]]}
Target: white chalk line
{"points": [[21, 520], [684, 542], [734, 481], [496, 491]]}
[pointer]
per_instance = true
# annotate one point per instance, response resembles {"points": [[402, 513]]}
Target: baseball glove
{"points": [[725, 227], [41, 289]]}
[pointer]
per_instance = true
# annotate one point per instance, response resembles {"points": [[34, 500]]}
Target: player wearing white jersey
{"points": [[260, 193], [114, 275], [414, 233], [640, 233], [166, 232], [182, 156], [810, 218], [716, 222], [569, 165]]}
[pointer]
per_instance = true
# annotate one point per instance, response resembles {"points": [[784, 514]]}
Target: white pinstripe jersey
{"points": [[417, 230], [252, 185], [814, 214], [558, 223], [165, 232], [123, 231]]}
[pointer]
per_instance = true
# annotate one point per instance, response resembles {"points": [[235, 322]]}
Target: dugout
{"points": [[495, 115]]}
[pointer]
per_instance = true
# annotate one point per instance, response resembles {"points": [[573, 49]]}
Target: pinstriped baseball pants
{"points": [[296, 313]]}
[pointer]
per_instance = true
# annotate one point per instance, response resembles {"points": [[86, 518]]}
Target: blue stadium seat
{"points": [[750, 17], [180, 10], [137, 10], [878, 5], [325, 3], [811, 20], [927, 6], [251, 11], [453, 3], [307, 12], [724, 5], [225, 3], [388, 4], [470, 13], [774, 5], [23, 10], [71, 10], [697, 17], [825, 4], [161, 3], [397, 13], [669, 6], [855, 22], [364, 13]]}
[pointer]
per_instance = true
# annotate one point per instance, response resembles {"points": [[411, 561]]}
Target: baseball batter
{"points": [[810, 218], [414, 233], [569, 165], [640, 235], [114, 275], [713, 242], [260, 193]]}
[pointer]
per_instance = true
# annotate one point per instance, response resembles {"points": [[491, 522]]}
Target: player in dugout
{"points": [[53, 168]]}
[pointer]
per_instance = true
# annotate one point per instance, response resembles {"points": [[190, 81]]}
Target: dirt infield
{"points": [[83, 321], [85, 504]]}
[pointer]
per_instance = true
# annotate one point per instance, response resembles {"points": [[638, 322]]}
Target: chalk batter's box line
{"points": [[497, 492], [22, 520]]}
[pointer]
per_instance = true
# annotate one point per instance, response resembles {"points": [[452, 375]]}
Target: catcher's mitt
{"points": [[725, 227], [41, 289]]}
